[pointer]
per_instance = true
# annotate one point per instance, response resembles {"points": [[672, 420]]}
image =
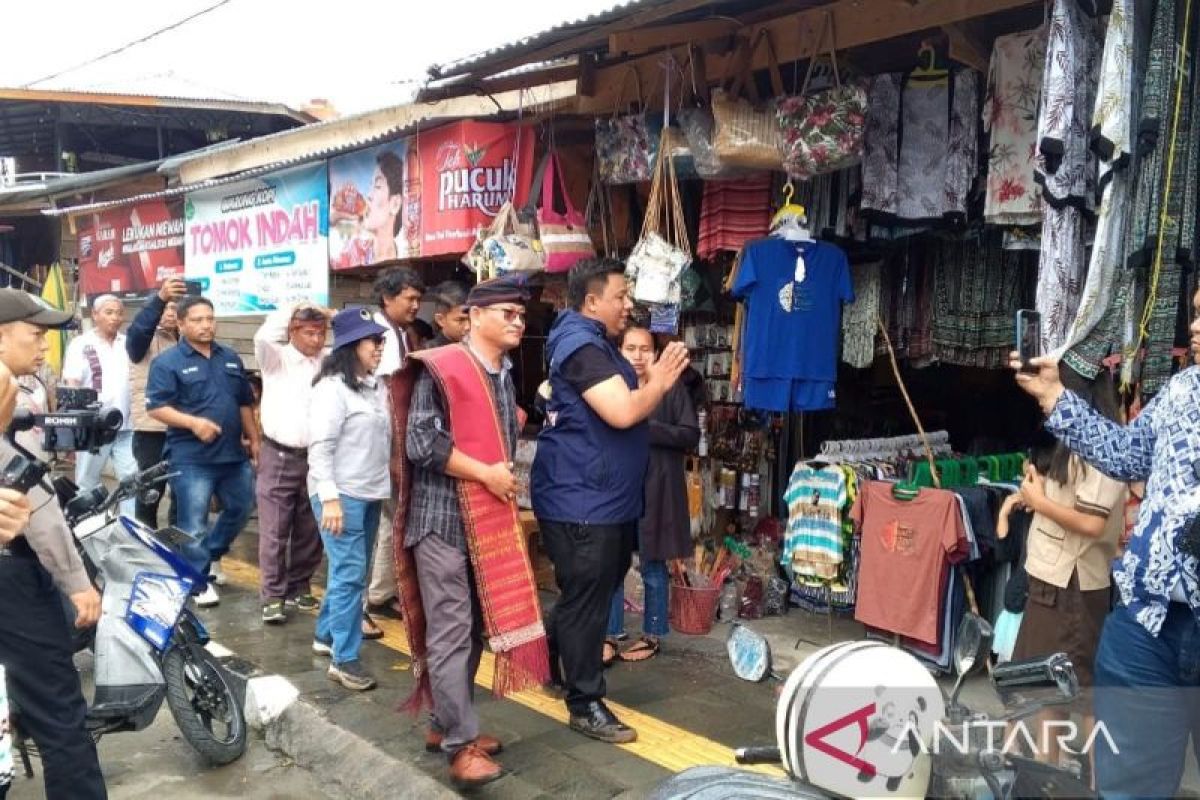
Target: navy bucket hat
{"points": [[353, 325]]}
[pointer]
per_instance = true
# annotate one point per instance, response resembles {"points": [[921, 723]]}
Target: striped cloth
{"points": [[812, 545], [733, 213]]}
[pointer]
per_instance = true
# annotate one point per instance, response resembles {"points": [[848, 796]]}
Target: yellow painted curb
{"points": [[669, 746]]}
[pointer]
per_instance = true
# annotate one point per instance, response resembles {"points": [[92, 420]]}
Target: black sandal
{"points": [[633, 653], [611, 643], [370, 629]]}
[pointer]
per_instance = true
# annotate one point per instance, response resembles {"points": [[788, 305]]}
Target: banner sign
{"points": [[130, 251], [260, 243], [374, 205], [468, 170]]}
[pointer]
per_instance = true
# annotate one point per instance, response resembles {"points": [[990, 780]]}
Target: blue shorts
{"points": [[784, 394]]}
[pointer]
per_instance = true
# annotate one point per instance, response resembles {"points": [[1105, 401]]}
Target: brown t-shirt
{"points": [[906, 547]]}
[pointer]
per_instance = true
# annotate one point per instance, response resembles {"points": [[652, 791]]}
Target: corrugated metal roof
{"points": [[275, 166], [73, 183], [549, 36], [152, 101]]}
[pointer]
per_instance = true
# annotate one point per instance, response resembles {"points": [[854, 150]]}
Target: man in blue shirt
{"points": [[588, 475], [1147, 668], [198, 389]]}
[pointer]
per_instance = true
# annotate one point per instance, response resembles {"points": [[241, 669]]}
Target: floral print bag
{"points": [[823, 132], [625, 146]]}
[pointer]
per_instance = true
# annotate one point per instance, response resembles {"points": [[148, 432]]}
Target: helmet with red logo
{"points": [[857, 719]]}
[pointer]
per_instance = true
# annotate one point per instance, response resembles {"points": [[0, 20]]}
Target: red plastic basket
{"points": [[693, 610]]}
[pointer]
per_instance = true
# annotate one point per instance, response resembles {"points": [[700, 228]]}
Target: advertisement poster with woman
{"points": [[374, 205]]}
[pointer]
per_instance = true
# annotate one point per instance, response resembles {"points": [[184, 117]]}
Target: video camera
{"points": [[78, 423]]}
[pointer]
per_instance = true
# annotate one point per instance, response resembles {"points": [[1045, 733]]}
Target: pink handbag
{"points": [[564, 235]]}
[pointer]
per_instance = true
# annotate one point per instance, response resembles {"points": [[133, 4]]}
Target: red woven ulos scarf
{"points": [[512, 619]]}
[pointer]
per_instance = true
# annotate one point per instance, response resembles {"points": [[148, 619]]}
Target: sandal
{"points": [[643, 649], [610, 653], [369, 629]]}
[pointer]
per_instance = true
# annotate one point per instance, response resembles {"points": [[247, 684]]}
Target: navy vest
{"points": [[586, 471]]}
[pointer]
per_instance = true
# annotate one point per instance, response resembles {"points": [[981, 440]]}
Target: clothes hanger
{"points": [[791, 220], [927, 71]]}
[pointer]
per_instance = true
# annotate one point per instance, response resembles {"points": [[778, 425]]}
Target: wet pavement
{"points": [[158, 762], [686, 703]]}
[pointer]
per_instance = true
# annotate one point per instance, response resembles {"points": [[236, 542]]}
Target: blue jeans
{"points": [[1146, 697], [349, 553], [89, 466], [654, 623], [194, 489]]}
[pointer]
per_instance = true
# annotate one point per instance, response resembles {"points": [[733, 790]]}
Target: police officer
{"points": [[37, 560]]}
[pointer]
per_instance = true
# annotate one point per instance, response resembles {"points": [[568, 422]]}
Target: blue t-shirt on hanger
{"points": [[793, 326]]}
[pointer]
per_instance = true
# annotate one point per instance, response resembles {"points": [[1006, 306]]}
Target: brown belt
{"points": [[302, 452]]}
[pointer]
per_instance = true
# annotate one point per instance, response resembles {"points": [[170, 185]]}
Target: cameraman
{"points": [[37, 554]]}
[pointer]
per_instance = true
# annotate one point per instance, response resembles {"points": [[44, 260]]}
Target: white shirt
{"points": [[395, 349], [350, 441], [113, 362], [287, 376]]}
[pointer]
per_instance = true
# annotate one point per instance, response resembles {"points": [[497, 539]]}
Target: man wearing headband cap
{"points": [[97, 360], [40, 562], [463, 571], [288, 348]]}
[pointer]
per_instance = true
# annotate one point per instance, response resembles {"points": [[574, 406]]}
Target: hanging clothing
{"points": [[977, 290], [907, 548], [813, 543], [733, 212], [1061, 273], [1010, 118], [906, 302], [1066, 167], [1105, 323], [920, 145], [794, 293], [859, 319]]}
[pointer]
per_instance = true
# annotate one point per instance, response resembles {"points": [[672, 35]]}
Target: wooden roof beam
{"points": [[856, 23], [640, 41]]}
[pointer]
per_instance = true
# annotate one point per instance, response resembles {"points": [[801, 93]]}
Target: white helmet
{"points": [[857, 719]]}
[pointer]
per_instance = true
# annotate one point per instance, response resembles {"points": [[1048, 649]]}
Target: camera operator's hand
{"points": [[172, 289], [205, 429], [14, 514], [87, 607]]}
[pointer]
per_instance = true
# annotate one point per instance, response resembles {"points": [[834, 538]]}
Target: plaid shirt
{"points": [[433, 502]]}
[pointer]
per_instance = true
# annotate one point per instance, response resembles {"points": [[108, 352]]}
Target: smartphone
{"points": [[1029, 337], [194, 288]]}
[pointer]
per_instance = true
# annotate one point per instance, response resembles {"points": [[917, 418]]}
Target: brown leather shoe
{"points": [[488, 744], [472, 767]]}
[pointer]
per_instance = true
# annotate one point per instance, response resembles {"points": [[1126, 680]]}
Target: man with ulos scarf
{"points": [[588, 476]]}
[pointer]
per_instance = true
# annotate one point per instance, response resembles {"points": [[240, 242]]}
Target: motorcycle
{"points": [[865, 719], [148, 644]]}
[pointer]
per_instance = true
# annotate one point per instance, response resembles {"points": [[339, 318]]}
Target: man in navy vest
{"points": [[587, 478]]}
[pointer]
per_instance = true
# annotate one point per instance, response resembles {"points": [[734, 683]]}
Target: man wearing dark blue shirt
{"points": [[198, 389]]}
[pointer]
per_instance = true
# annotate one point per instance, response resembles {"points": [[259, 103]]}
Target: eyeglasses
{"points": [[510, 314]]}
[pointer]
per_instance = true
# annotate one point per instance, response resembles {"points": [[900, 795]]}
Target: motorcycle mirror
{"points": [[749, 653], [971, 646], [1034, 683]]}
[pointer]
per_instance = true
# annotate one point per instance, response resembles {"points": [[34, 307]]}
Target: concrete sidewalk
{"points": [[687, 704]]}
